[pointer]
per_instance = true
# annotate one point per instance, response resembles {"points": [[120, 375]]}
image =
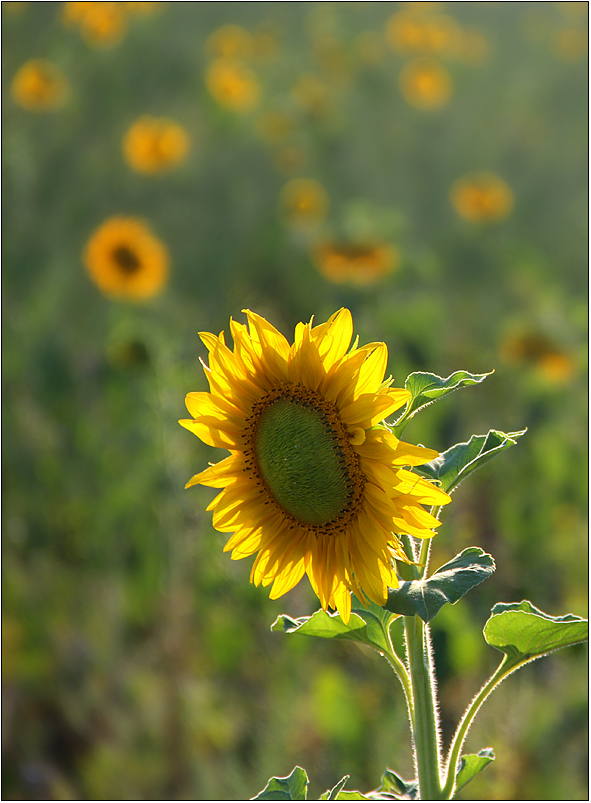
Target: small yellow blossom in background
{"points": [[265, 44], [126, 260], [312, 94], [13, 9], [358, 263], [144, 9], [472, 47], [369, 47], [304, 202], [233, 85], [153, 145], [570, 44], [40, 86], [533, 348], [574, 9], [290, 159], [481, 197], [101, 24], [425, 84], [230, 42], [409, 33], [274, 126]]}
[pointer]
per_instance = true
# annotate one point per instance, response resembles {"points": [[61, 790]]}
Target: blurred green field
{"points": [[137, 659]]}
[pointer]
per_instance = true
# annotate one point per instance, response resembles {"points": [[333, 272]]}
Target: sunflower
{"points": [[425, 84], [233, 85], [357, 262], [40, 86], [126, 260], [314, 484], [303, 202], [153, 144], [481, 197]]}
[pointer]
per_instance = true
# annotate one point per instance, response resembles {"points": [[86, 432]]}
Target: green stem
{"points": [[454, 752], [426, 719], [403, 676]]}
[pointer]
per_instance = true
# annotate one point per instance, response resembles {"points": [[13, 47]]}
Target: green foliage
{"points": [[292, 787], [426, 388], [396, 787], [523, 632], [368, 626], [338, 792], [470, 765], [448, 584], [454, 465]]}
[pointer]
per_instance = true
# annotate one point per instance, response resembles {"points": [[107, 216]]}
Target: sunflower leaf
{"points": [[448, 584], [291, 787], [366, 625], [471, 765], [395, 787], [339, 793], [426, 388], [523, 632], [454, 465]]}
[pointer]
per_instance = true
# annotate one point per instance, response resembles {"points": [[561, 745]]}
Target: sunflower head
{"points": [[126, 260], [481, 197], [426, 84], [360, 263], [153, 145], [313, 484], [40, 86]]}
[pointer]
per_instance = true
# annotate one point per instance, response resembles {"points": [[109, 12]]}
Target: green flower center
{"points": [[304, 457]]}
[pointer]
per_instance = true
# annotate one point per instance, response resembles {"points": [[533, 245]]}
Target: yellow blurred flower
{"points": [[358, 263], [425, 84], [290, 159], [125, 260], [571, 44], [230, 42], [265, 44], [274, 126], [13, 9], [304, 202], [472, 47], [312, 94], [481, 197], [233, 85], [102, 24], [153, 144], [410, 33], [143, 9], [536, 349], [370, 47], [40, 86], [574, 9]]}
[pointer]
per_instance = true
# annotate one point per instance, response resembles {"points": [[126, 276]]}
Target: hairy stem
{"points": [[454, 752], [426, 719]]}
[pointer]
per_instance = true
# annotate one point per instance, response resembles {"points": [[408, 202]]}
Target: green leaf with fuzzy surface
{"points": [[394, 787], [523, 632], [367, 626], [426, 388], [454, 465], [448, 584], [339, 793], [291, 787], [471, 765]]}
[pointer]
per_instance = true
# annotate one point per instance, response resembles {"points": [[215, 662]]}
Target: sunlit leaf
{"points": [[454, 465], [471, 765], [426, 388], [448, 584], [366, 625], [395, 788], [338, 793], [523, 632], [291, 787]]}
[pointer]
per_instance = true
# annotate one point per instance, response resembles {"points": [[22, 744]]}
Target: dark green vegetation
{"points": [[138, 661]]}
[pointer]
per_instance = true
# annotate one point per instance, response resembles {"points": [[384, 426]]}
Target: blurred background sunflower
{"points": [[424, 165]]}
